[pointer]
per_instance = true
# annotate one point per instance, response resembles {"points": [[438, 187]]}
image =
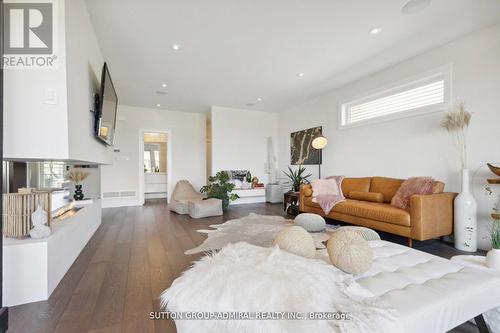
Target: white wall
{"points": [[40, 130], [187, 136], [33, 128], [84, 65], [414, 146], [239, 140]]}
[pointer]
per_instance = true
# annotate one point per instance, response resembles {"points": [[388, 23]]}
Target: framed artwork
{"points": [[301, 150]]}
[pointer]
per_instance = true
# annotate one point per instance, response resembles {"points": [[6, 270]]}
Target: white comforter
{"points": [[252, 279]]}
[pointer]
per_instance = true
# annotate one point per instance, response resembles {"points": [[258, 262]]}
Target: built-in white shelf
{"points": [[32, 268], [252, 195]]}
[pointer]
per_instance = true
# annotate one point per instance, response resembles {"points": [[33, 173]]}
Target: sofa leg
{"points": [[410, 242]]}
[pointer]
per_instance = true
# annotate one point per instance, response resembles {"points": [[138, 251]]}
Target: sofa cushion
{"points": [[366, 196], [369, 210], [374, 211], [387, 186], [355, 184]]}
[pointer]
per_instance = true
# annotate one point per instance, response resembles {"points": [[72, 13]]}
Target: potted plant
{"points": [[493, 256], [77, 177], [219, 187], [297, 178]]}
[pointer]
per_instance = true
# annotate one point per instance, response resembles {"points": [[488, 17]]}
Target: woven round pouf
{"points": [[349, 252], [297, 241], [311, 222], [365, 233]]}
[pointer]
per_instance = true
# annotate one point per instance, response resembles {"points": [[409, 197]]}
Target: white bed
{"points": [[430, 294]]}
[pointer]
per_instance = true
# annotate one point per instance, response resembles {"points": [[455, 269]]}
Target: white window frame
{"points": [[444, 72]]}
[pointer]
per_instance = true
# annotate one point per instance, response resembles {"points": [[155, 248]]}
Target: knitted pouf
{"points": [[365, 233], [349, 252], [311, 222], [297, 241]]}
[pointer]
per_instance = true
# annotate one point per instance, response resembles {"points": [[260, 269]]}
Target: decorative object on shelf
{"points": [[456, 123], [319, 143], [248, 177], [17, 210], [301, 151], [311, 222], [349, 252], [77, 176], [296, 240], [255, 181], [39, 219], [296, 178], [494, 169], [493, 256], [220, 188]]}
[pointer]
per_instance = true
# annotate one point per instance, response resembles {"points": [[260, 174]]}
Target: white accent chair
{"points": [[184, 193]]}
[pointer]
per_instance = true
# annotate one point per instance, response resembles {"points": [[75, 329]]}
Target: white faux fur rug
{"points": [[254, 229], [252, 279]]}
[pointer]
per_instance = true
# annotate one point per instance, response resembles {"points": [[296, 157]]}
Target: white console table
{"points": [[32, 268], [251, 195]]}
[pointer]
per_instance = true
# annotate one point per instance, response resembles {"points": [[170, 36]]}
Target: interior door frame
{"points": [[168, 132], [4, 311]]}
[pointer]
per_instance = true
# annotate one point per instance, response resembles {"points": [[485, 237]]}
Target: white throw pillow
{"points": [[325, 187]]}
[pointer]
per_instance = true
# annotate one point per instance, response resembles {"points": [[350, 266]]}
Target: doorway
{"points": [[155, 153]]}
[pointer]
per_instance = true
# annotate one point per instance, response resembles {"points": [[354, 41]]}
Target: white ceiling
{"points": [[234, 51]]}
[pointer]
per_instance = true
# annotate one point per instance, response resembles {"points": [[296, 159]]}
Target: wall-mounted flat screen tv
{"points": [[106, 107]]}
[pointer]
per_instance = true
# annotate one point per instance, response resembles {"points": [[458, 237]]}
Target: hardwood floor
{"points": [[134, 255]]}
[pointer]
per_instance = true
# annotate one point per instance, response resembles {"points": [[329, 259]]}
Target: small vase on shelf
{"points": [[78, 193], [465, 217]]}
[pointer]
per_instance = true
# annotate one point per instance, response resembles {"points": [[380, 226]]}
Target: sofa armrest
{"points": [[305, 191], [431, 215]]}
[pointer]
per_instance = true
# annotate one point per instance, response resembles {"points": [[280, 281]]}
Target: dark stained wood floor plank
{"points": [[135, 254]]}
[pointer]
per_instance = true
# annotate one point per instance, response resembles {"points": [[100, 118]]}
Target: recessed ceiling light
{"points": [[375, 31], [164, 85], [300, 74], [259, 99], [176, 47], [160, 92], [250, 104], [158, 105]]}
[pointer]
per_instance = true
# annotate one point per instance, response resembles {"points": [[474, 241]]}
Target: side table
{"points": [[291, 202]]}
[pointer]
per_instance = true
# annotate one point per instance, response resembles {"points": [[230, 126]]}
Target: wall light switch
{"points": [[50, 96]]}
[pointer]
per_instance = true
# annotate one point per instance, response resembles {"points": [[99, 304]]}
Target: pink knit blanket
{"points": [[328, 201]]}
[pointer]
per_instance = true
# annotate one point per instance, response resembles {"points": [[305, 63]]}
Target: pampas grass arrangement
{"points": [[456, 123], [76, 176]]}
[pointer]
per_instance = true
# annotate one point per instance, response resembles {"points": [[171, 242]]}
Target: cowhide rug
{"points": [[254, 229]]}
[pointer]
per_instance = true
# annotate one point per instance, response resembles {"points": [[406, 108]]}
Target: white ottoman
{"points": [[205, 208], [310, 222]]}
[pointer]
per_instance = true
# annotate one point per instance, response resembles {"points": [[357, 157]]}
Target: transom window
{"points": [[428, 93]]}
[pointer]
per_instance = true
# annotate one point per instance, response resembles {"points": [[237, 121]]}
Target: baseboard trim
{"points": [[4, 320]]}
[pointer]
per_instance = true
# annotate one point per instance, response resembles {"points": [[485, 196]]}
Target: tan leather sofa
{"points": [[368, 204]]}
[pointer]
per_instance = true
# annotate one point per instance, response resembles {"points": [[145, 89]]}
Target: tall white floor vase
{"points": [[465, 217]]}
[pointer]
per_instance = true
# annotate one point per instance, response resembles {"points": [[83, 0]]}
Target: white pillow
{"points": [[325, 187]]}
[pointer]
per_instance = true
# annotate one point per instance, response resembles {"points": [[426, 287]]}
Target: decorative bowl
{"points": [[494, 169]]}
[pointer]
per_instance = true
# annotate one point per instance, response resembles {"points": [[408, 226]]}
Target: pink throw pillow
{"points": [[339, 180], [411, 186], [325, 187]]}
